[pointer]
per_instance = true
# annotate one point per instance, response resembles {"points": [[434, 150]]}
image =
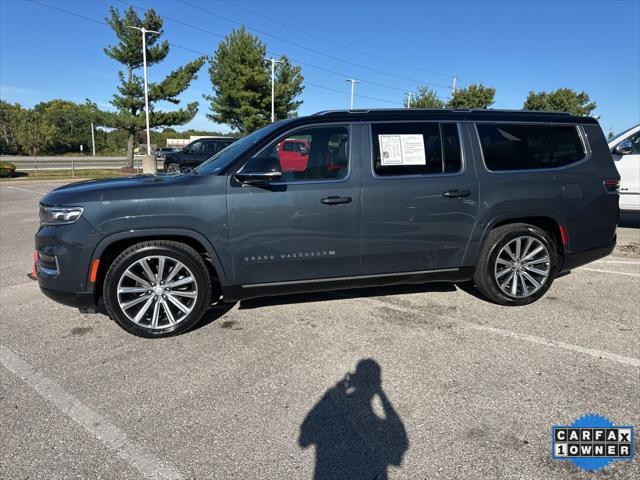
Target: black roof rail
{"points": [[430, 110]]}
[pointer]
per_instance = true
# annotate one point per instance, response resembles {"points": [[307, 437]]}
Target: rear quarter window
{"points": [[528, 146]]}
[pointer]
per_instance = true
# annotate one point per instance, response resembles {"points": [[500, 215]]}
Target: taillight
{"points": [[611, 186]]}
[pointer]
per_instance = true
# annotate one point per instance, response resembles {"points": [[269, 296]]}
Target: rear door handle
{"points": [[456, 193], [334, 200]]}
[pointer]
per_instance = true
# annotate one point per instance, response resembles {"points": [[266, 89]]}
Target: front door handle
{"points": [[334, 200], [456, 193]]}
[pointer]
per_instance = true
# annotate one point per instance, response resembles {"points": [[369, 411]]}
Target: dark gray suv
{"points": [[508, 200]]}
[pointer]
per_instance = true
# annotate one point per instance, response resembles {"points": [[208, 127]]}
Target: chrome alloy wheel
{"points": [[157, 292], [522, 267]]}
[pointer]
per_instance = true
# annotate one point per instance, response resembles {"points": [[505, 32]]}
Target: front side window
{"points": [[315, 153], [528, 146], [425, 148]]}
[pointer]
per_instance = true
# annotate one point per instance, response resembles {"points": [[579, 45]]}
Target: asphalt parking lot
{"points": [[259, 391]]}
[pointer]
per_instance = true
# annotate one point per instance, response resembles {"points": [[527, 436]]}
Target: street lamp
{"points": [[273, 87], [144, 68], [353, 86]]}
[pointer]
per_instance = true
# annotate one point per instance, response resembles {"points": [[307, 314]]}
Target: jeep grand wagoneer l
{"points": [[508, 200]]}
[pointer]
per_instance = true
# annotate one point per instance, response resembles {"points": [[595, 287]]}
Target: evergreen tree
{"points": [[241, 80], [129, 101]]}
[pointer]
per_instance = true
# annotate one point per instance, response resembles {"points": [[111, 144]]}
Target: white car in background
{"points": [[625, 149]]}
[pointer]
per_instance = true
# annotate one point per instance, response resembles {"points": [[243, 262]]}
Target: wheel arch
{"points": [[550, 222], [110, 247]]}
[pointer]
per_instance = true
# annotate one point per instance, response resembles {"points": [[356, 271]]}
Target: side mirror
{"points": [[304, 150], [625, 147], [260, 171]]}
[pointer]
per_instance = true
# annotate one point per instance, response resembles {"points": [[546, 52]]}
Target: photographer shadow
{"points": [[352, 440]]}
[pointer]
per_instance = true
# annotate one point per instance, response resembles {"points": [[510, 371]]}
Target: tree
{"points": [[72, 122], [129, 101], [474, 96], [35, 133], [10, 117], [424, 98], [241, 80], [561, 100]]}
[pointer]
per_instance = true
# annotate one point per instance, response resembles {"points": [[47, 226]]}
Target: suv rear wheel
{"points": [[517, 264], [173, 168], [157, 288]]}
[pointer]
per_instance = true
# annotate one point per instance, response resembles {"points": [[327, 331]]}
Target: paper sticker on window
{"points": [[402, 150]]}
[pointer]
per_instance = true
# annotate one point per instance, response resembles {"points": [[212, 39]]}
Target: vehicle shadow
{"points": [[629, 220], [342, 294], [214, 313], [353, 439]]}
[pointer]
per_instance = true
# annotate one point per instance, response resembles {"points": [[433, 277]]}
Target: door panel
{"points": [[416, 222], [289, 231]]}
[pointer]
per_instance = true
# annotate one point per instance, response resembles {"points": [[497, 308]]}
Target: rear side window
{"points": [[416, 148], [529, 147]]}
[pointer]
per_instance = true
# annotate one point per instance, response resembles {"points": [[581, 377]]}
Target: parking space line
{"points": [[622, 262], [109, 434], [27, 190], [629, 361], [614, 272]]}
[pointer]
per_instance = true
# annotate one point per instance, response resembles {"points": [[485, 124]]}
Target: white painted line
{"points": [[592, 352], [622, 262], [27, 190], [114, 438], [614, 272]]}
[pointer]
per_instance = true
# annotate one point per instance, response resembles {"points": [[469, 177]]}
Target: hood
{"points": [[123, 188]]}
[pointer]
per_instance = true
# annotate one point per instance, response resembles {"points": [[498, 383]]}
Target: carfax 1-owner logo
{"points": [[592, 442]]}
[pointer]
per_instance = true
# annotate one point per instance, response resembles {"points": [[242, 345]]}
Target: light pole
{"points": [[144, 68], [454, 84], [273, 87], [408, 94], [353, 86]]}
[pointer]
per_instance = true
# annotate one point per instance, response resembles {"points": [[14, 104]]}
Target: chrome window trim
{"points": [[581, 135], [418, 175], [352, 277], [347, 177]]}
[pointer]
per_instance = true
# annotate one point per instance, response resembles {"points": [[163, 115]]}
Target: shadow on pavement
{"points": [[353, 439], [629, 220]]}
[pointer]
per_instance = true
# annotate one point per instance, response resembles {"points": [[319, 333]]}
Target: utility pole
{"points": [[453, 85], [353, 86], [273, 87], [144, 68], [408, 94], [93, 140]]}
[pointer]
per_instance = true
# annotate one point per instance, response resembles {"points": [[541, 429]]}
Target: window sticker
{"points": [[402, 150]]}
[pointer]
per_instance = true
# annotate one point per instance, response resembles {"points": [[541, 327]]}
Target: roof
{"points": [[453, 114]]}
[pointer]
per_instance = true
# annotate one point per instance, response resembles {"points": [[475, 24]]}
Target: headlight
{"points": [[59, 215]]}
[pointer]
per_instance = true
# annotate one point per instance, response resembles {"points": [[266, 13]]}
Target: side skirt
{"points": [[236, 293]]}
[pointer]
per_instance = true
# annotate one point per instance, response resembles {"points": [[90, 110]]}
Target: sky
{"points": [[391, 47]]}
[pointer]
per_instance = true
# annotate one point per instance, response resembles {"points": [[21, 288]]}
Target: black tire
{"points": [[173, 168], [173, 252], [485, 273]]}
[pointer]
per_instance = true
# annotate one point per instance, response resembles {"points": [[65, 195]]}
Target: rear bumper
{"points": [[84, 301], [577, 259]]}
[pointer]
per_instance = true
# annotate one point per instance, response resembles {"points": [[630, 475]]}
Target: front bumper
{"points": [[84, 301]]}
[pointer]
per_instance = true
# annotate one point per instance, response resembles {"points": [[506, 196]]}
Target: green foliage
{"points": [[10, 115], [72, 122], [424, 98], [474, 96], [35, 133], [560, 100], [7, 169], [129, 99], [241, 80]]}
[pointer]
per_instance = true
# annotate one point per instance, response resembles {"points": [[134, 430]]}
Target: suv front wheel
{"points": [[157, 288], [517, 264]]}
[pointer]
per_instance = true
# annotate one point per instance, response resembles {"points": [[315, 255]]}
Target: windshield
{"points": [[620, 135], [227, 155]]}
